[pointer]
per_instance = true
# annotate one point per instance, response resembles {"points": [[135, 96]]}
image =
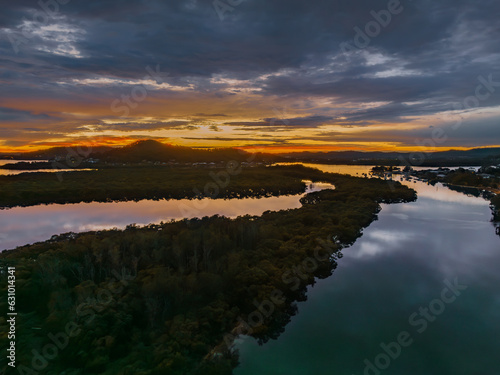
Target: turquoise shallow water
{"points": [[376, 294]]}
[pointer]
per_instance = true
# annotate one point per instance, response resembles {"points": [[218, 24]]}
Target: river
{"points": [[404, 261], [24, 225], [14, 172]]}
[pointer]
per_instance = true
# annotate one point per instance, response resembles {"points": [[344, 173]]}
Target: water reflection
{"points": [[5, 172], [397, 267], [23, 225], [437, 192]]}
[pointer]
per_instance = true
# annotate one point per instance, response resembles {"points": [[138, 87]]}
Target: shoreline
{"points": [[235, 263]]}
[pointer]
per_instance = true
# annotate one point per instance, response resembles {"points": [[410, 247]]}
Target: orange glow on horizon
{"points": [[362, 148], [97, 142], [124, 141]]}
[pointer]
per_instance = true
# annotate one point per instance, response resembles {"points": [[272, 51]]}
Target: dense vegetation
{"points": [[121, 184], [28, 166], [462, 177], [480, 156], [191, 284], [495, 203], [381, 170]]}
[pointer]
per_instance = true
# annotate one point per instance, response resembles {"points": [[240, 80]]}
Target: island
{"points": [[170, 298]]}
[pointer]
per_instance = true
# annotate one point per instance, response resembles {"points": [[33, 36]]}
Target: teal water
{"points": [[375, 295]]}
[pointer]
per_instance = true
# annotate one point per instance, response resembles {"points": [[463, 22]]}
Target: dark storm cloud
{"points": [[430, 53], [135, 126], [12, 115], [469, 133], [296, 122], [390, 113], [269, 141], [260, 34]]}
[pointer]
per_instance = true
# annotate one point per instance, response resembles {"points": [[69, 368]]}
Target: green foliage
{"points": [[467, 178], [161, 299], [122, 184], [462, 177], [471, 183], [495, 202]]}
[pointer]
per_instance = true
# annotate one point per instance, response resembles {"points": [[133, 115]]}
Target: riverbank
{"points": [[495, 201], [394, 269], [128, 184], [190, 283], [485, 182]]}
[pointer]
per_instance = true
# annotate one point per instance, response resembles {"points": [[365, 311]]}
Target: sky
{"points": [[272, 75]]}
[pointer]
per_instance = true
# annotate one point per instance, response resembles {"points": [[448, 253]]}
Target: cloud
{"points": [[13, 115], [136, 126], [61, 70], [279, 122]]}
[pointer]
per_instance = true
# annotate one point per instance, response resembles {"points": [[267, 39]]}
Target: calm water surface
{"points": [[24, 225], [13, 172], [397, 267]]}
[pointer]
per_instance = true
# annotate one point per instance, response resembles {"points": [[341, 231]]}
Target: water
{"points": [[14, 172], [24, 225], [398, 266]]}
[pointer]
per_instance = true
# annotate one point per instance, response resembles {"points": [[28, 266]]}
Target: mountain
{"points": [[58, 152], [150, 150], [145, 150], [476, 156]]}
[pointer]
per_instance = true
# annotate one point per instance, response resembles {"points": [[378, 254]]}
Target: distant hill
{"points": [[476, 156], [56, 152], [147, 150], [474, 153], [150, 150], [477, 152]]}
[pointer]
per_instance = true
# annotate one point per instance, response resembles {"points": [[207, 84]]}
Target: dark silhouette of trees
{"points": [[161, 299]]}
